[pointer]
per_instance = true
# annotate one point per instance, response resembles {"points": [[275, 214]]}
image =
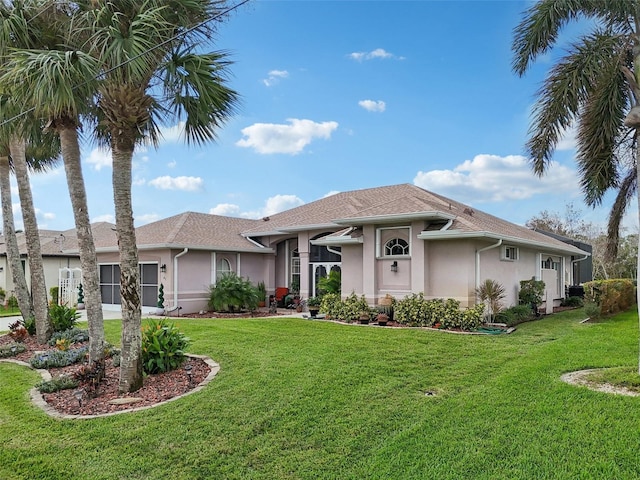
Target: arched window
{"points": [[396, 246], [223, 266]]}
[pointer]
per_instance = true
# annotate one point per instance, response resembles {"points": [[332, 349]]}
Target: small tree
{"points": [[161, 296], [80, 294], [531, 292], [232, 293], [491, 293]]}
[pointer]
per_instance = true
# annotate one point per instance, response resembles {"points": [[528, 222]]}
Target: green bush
{"points": [[73, 335], [572, 302], [332, 283], [514, 315], [163, 346], [330, 305], [232, 293], [5, 350], [592, 310], [416, 311], [531, 292], [30, 325], [54, 292], [63, 317], [58, 358], [12, 302], [63, 382], [612, 296]]}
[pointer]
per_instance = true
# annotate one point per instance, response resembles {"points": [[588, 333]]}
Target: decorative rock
{"points": [[125, 400]]}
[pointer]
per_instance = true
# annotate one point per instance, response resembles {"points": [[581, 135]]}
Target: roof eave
{"points": [[427, 215], [175, 246], [329, 241], [449, 234]]}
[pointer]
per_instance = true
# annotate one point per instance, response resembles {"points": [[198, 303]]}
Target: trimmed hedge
{"points": [[612, 296]]}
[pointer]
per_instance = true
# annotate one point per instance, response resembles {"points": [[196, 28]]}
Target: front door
{"points": [[320, 270]]}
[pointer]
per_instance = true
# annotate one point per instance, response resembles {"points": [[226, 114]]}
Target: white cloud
{"points": [[172, 164], [107, 217], [373, 54], [99, 157], [332, 192], [273, 205], [274, 77], [277, 138], [146, 218], [491, 178], [172, 134], [373, 105], [187, 184], [138, 181], [226, 209], [568, 139]]}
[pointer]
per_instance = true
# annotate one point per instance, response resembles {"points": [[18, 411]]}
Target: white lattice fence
{"points": [[68, 281]]}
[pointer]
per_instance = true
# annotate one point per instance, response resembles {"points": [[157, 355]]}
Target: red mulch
{"points": [[156, 388]]}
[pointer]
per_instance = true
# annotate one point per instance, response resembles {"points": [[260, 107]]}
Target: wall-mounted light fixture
{"points": [[394, 266], [163, 268]]}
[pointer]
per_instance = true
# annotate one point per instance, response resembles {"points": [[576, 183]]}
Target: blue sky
{"points": [[337, 96]]}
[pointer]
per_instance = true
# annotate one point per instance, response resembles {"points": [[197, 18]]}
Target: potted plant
{"points": [[262, 294], [314, 306], [80, 305], [382, 318], [160, 304], [364, 317]]}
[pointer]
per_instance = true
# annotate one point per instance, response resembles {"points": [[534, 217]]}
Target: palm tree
{"points": [[597, 85], [150, 73], [57, 85]]}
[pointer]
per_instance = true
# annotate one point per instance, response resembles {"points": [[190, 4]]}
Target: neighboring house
{"points": [[396, 240], [54, 245]]}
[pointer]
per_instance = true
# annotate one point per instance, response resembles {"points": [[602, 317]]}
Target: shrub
{"points": [[63, 317], [30, 325], [472, 318], [572, 302], [611, 296], [491, 293], [63, 344], [332, 283], [592, 310], [231, 293], [5, 350], [531, 292], [17, 331], [12, 302], [163, 346], [63, 382], [352, 307], [514, 315], [54, 292], [73, 335], [58, 358], [331, 305]]}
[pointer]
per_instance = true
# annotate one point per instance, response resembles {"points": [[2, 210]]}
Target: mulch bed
{"points": [[156, 388]]}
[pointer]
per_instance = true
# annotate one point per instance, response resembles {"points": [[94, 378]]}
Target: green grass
{"points": [[9, 312], [317, 400]]}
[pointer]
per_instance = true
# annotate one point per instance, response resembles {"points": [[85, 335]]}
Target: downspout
{"points": [[329, 249], [496, 245], [175, 276], [573, 280]]}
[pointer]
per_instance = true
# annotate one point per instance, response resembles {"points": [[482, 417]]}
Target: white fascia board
{"points": [[302, 228], [340, 240], [399, 217], [449, 234], [173, 246]]}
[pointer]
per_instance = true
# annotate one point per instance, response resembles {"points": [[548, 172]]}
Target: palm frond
{"points": [[538, 31], [567, 89]]}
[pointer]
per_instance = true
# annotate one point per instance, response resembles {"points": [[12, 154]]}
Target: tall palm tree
{"points": [[596, 84], [58, 86], [150, 75], [16, 31]]}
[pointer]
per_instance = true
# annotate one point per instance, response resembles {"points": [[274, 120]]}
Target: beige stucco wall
{"points": [[450, 270], [351, 273]]}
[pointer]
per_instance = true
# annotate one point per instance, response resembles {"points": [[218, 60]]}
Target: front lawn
{"points": [[318, 400]]}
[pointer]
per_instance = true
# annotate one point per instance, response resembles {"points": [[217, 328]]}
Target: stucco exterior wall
{"points": [[508, 273], [450, 270], [351, 269]]}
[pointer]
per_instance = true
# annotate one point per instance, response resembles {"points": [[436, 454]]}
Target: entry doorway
{"points": [[321, 270]]}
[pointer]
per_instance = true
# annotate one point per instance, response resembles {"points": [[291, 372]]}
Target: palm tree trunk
{"points": [[13, 253], [131, 355], [88, 261], [44, 330]]}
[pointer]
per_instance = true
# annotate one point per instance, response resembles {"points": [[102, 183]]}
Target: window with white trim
{"points": [[222, 267], [509, 253], [396, 246], [393, 241]]}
